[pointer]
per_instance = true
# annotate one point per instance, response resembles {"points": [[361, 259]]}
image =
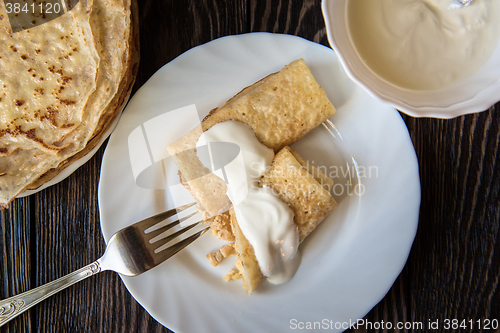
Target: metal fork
{"points": [[131, 251]]}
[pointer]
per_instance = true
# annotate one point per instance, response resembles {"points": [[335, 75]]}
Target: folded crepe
{"points": [[281, 108], [300, 185]]}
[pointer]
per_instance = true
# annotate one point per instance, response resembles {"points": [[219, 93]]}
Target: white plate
{"points": [[352, 259]]}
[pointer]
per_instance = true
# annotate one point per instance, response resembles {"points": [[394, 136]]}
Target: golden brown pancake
{"points": [[119, 91], [281, 108], [296, 186], [48, 74], [105, 28], [310, 201]]}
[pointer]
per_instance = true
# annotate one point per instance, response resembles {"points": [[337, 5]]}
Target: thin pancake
{"points": [[246, 263], [107, 43], [281, 108], [295, 186], [111, 24], [47, 75]]}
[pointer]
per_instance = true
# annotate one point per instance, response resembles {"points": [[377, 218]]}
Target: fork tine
{"points": [[170, 251], [159, 231], [167, 239], [155, 219]]}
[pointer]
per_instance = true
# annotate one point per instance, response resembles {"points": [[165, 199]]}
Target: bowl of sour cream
{"points": [[427, 58]]}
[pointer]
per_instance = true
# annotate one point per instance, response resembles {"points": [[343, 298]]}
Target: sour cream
{"points": [[265, 220], [424, 44]]}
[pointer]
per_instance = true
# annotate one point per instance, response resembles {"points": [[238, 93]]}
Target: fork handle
{"points": [[13, 306]]}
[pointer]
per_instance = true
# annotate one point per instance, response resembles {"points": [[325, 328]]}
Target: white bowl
{"points": [[474, 94]]}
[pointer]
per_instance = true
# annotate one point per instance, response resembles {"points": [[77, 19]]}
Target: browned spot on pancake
{"points": [[67, 125], [37, 51], [65, 79], [50, 115], [19, 102], [13, 48], [1, 17], [30, 134], [41, 78], [67, 101], [53, 70], [24, 57]]}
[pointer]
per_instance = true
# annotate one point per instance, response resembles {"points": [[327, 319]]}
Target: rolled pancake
{"points": [[246, 263], [318, 175], [281, 108], [310, 201]]}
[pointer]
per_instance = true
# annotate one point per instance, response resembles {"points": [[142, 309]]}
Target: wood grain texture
{"points": [[456, 254], [15, 258], [453, 271]]}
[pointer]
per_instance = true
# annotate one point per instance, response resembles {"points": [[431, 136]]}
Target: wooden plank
{"points": [[15, 261], [299, 18], [181, 25], [456, 254], [67, 238]]}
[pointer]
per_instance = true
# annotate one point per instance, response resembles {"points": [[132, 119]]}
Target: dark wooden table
{"points": [[453, 271]]}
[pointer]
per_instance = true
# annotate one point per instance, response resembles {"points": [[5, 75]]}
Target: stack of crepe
{"points": [[281, 108], [62, 83]]}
